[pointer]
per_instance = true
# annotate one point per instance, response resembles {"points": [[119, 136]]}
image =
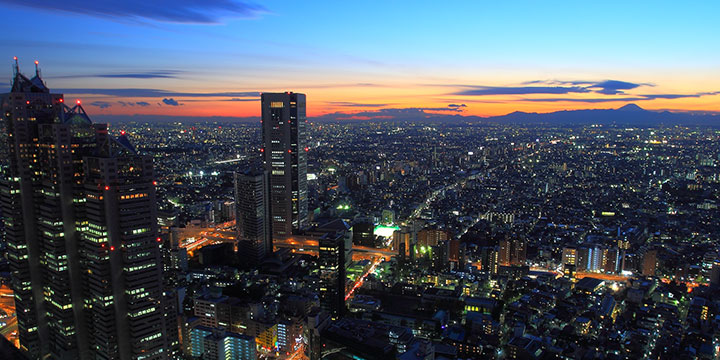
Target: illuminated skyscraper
{"points": [[252, 217], [80, 213], [331, 261], [285, 157]]}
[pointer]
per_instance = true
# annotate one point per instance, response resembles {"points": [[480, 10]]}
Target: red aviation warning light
{"points": [[158, 239], [61, 100], [107, 188], [78, 101], [37, 62], [307, 148], [122, 132], [112, 248]]}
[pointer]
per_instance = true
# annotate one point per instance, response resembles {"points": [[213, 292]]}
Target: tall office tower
{"points": [[285, 157], [28, 106], [124, 261], [252, 216], [79, 207], [331, 261]]}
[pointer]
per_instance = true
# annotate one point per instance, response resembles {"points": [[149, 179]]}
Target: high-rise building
{"points": [[439, 256], [569, 256], [715, 273], [649, 262], [590, 258], [285, 156], [124, 262], [25, 108], [454, 250], [611, 260], [252, 218], [213, 344], [489, 259], [402, 242], [331, 262], [80, 214], [431, 237], [519, 252], [512, 252]]}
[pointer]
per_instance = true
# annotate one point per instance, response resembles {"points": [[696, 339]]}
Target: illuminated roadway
{"points": [[359, 282], [210, 236], [7, 304], [312, 246]]}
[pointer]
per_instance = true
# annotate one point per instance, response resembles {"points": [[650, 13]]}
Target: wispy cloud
{"points": [[130, 103], [518, 90], [156, 93], [609, 88], [354, 104], [643, 97], [101, 104], [414, 113], [605, 87], [177, 11], [154, 74], [587, 100], [340, 85], [243, 99], [679, 96]]}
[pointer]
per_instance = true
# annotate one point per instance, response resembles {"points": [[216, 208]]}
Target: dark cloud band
{"points": [[156, 93], [178, 11]]}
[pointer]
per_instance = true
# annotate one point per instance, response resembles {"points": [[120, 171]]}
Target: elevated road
{"points": [[312, 246]]}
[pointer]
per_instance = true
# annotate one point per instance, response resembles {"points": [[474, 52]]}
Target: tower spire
{"points": [[37, 68], [16, 68]]}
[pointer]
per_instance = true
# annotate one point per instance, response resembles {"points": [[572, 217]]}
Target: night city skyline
{"points": [[230, 180]]}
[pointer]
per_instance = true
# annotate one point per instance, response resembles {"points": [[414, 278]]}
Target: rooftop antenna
{"points": [[16, 68], [37, 68]]}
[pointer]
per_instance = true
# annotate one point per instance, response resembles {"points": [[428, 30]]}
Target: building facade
{"points": [[252, 217], [331, 262], [285, 157], [80, 215]]}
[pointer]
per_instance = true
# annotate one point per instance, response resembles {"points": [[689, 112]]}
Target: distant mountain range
{"points": [[630, 115]]}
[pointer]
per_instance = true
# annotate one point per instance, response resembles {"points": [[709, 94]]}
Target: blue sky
{"points": [[392, 53]]}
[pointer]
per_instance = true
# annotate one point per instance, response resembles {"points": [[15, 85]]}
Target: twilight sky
{"points": [[368, 58]]}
